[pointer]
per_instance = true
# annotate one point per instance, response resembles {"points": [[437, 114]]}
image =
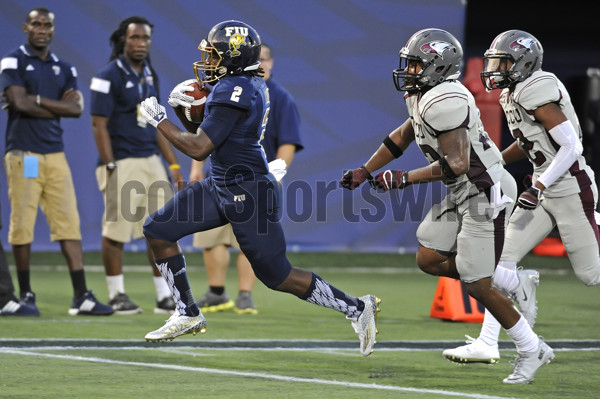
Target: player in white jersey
{"points": [[462, 237], [543, 122]]}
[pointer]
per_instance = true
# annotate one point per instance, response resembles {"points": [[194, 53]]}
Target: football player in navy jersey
{"points": [[240, 190], [281, 142]]}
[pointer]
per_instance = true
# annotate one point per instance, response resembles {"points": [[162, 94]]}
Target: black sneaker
{"points": [[165, 306], [88, 305], [123, 305]]}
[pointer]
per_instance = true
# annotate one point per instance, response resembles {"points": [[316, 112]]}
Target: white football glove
{"points": [[153, 111], [179, 98]]}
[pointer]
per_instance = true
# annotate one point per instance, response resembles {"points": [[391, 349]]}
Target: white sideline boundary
{"points": [[277, 377], [353, 270], [273, 345]]}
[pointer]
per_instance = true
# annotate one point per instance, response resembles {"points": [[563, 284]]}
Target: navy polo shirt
{"points": [[283, 126], [49, 78], [117, 90]]}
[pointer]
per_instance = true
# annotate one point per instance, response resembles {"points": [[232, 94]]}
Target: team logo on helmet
{"points": [[436, 47], [235, 43], [237, 38], [521, 44]]}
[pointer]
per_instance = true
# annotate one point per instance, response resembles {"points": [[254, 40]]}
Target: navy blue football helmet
{"points": [[231, 48]]}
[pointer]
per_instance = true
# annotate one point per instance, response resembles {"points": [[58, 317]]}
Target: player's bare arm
{"points": [[401, 137], [195, 145], [513, 153], [550, 115], [392, 147], [456, 148]]}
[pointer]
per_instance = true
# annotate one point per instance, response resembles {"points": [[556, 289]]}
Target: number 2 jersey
{"points": [[446, 107], [539, 89], [238, 155]]}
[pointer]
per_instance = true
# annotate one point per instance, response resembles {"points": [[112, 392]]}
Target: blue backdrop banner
{"points": [[335, 57]]}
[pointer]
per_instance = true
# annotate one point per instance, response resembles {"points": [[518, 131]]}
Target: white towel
{"points": [[279, 168], [498, 201]]}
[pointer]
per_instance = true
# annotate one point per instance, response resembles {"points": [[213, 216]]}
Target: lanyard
{"points": [[143, 87]]}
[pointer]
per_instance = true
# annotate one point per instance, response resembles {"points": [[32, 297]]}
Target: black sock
{"points": [[78, 281], [24, 281], [217, 290]]}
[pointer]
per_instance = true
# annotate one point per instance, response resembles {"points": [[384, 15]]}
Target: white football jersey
{"points": [[539, 89], [446, 107]]}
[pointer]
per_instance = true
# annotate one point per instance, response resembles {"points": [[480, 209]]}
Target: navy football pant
{"points": [[252, 208]]}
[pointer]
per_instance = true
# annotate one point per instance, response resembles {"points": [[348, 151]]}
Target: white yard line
{"points": [[204, 370]]}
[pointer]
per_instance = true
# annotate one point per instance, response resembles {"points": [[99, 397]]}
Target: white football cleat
{"points": [[524, 294], [178, 325], [475, 351], [366, 324], [527, 364]]}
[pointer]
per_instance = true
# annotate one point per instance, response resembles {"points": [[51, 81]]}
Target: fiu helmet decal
{"points": [[435, 47], [521, 44], [237, 38]]}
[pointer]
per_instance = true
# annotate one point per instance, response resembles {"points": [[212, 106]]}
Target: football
{"points": [[191, 118], [195, 114]]}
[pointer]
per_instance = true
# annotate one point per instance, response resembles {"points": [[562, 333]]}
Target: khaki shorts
{"points": [[52, 190], [218, 236], [137, 188]]}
